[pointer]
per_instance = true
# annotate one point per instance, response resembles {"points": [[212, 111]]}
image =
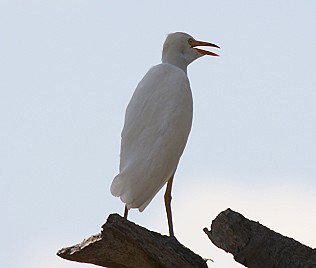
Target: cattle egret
{"points": [[157, 124]]}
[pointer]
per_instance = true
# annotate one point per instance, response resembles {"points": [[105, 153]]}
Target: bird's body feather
{"points": [[157, 124]]}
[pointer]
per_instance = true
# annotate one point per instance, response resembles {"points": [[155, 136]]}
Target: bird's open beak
{"points": [[196, 43]]}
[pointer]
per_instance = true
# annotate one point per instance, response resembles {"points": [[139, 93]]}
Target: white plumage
{"points": [[157, 124]]}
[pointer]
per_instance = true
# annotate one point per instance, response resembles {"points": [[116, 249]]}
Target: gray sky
{"points": [[68, 69]]}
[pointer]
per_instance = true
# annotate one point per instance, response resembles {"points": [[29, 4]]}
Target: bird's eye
{"points": [[190, 41]]}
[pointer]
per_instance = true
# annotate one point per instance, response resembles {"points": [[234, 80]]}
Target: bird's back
{"points": [[157, 124]]}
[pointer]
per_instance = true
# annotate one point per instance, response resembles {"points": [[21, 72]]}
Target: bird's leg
{"points": [[125, 212], [168, 205]]}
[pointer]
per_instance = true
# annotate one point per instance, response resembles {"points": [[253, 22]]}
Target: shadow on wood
{"points": [[256, 246], [123, 244]]}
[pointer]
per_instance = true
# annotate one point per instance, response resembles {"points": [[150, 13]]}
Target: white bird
{"points": [[157, 124]]}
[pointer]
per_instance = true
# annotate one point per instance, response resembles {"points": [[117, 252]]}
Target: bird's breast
{"points": [[160, 110]]}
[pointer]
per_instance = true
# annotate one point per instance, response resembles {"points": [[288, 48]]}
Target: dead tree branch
{"points": [[123, 244], [256, 246]]}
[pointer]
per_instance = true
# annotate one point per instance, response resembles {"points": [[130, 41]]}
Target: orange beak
{"points": [[195, 43]]}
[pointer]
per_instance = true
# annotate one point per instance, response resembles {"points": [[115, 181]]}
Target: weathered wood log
{"points": [[256, 246], [123, 244]]}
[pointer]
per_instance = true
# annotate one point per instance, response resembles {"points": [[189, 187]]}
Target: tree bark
{"points": [[256, 246], [123, 244]]}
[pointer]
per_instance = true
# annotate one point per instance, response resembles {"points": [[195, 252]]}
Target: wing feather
{"points": [[157, 124]]}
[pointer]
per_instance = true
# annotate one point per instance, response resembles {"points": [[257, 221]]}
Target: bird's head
{"points": [[180, 49]]}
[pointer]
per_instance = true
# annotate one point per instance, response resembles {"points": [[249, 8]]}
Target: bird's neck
{"points": [[176, 60]]}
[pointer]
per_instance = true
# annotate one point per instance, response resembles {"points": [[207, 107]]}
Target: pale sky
{"points": [[68, 70]]}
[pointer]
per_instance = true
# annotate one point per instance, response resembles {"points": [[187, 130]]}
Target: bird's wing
{"points": [[157, 124]]}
